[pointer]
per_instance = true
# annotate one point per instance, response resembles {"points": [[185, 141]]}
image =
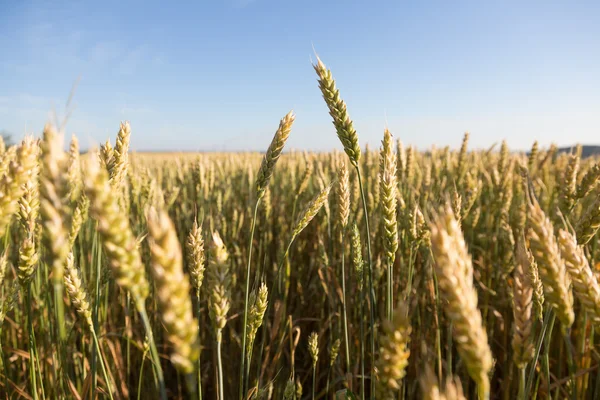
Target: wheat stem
{"points": [[370, 275], [247, 295]]}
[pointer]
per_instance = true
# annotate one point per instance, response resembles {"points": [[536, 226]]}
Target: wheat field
{"points": [[385, 273]]}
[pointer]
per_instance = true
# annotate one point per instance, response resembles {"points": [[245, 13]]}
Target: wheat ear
{"points": [[196, 257], [18, 173], [337, 109], [393, 353], [552, 270], [273, 153], [585, 284], [454, 270], [522, 306], [119, 243], [172, 291]]}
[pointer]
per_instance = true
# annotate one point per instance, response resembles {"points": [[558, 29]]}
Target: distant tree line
{"points": [[7, 137]]}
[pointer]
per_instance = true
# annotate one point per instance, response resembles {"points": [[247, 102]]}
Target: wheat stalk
{"points": [[219, 302]]}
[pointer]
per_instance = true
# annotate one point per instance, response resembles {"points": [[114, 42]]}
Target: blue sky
{"points": [[219, 74]]}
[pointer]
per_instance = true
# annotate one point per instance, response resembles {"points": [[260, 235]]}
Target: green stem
{"points": [[547, 343], [389, 299], [98, 259], [4, 363], [362, 345], [62, 333], [200, 355], [248, 364], [60, 310], [328, 378], [141, 376], [438, 330], [242, 369], [270, 302], [370, 272], [314, 380], [32, 358], [449, 346], [128, 330], [411, 271], [548, 321], [344, 312], [571, 363], [522, 383], [153, 351], [108, 385], [220, 368]]}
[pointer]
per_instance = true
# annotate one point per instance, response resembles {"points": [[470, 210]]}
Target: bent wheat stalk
{"points": [[262, 182], [349, 138]]}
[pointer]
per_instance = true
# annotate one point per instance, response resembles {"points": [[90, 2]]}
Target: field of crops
{"points": [[381, 273]]}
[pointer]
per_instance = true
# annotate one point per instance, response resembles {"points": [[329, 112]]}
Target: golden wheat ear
{"points": [[119, 243], [393, 353], [196, 257], [273, 153], [343, 195], [454, 269], [219, 281], [522, 342], [551, 268], [54, 201], [172, 291], [337, 109], [311, 210], [585, 284]]}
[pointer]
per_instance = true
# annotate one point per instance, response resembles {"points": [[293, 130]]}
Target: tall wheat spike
{"points": [[337, 109], [388, 188], [74, 177], [585, 284], [551, 267], [431, 390], [172, 291], [219, 300], [11, 184], [273, 153], [454, 270], [311, 211], [522, 342], [75, 290], [343, 195], [55, 212], [588, 182], [120, 156], [196, 257], [589, 223], [393, 353], [256, 314], [119, 243]]}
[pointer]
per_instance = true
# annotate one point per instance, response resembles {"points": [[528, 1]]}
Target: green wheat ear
{"points": [[273, 153], [337, 109]]}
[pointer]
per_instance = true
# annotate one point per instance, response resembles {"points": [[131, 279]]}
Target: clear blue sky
{"points": [[218, 75]]}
